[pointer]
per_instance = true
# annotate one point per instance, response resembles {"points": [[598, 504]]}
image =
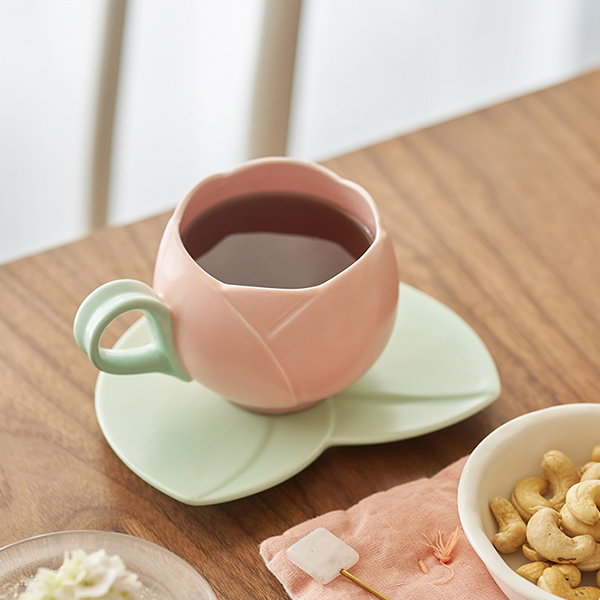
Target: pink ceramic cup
{"points": [[267, 349]]}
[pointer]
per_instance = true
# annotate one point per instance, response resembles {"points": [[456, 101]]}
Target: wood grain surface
{"points": [[496, 214]]}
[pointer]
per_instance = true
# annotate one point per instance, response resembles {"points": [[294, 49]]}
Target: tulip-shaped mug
{"points": [[275, 285]]}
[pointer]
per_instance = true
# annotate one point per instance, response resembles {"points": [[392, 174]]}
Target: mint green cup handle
{"points": [[109, 301]]}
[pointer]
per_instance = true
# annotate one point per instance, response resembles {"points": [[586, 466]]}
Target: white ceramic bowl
{"points": [[508, 454]]}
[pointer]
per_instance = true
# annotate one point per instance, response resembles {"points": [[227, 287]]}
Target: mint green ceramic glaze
{"points": [[104, 305], [197, 447]]}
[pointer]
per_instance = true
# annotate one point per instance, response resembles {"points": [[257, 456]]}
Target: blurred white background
{"points": [[366, 70]]}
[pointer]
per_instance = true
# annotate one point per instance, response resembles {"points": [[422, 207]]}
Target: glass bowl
{"points": [[164, 575]]}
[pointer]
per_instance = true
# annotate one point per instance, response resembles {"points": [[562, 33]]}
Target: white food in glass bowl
{"points": [[83, 576], [162, 574]]}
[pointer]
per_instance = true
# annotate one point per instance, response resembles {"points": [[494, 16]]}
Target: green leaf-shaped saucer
{"points": [[197, 447]]}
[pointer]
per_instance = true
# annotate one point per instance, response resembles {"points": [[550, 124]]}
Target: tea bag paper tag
{"points": [[322, 555]]}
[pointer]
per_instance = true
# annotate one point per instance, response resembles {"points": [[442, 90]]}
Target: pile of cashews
{"points": [[559, 534]]}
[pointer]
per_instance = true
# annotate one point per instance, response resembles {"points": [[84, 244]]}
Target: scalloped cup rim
{"points": [[176, 217]]}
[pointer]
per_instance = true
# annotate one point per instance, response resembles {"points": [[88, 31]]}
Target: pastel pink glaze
{"points": [[278, 350]]}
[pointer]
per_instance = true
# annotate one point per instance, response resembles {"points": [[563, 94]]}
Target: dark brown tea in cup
{"points": [[276, 239]]}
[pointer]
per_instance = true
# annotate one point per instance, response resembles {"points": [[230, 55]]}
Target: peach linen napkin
{"points": [[387, 529]]}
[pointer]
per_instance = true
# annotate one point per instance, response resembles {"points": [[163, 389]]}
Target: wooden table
{"points": [[496, 214]]}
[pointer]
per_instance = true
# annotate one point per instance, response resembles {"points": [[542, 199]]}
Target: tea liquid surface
{"points": [[276, 240]]}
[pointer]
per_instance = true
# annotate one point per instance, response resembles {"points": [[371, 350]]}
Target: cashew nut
{"points": [[530, 554], [571, 573], [573, 526], [586, 592], [545, 537], [590, 470], [512, 529], [592, 563], [596, 453], [528, 496], [532, 571], [553, 581], [561, 472], [582, 499]]}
